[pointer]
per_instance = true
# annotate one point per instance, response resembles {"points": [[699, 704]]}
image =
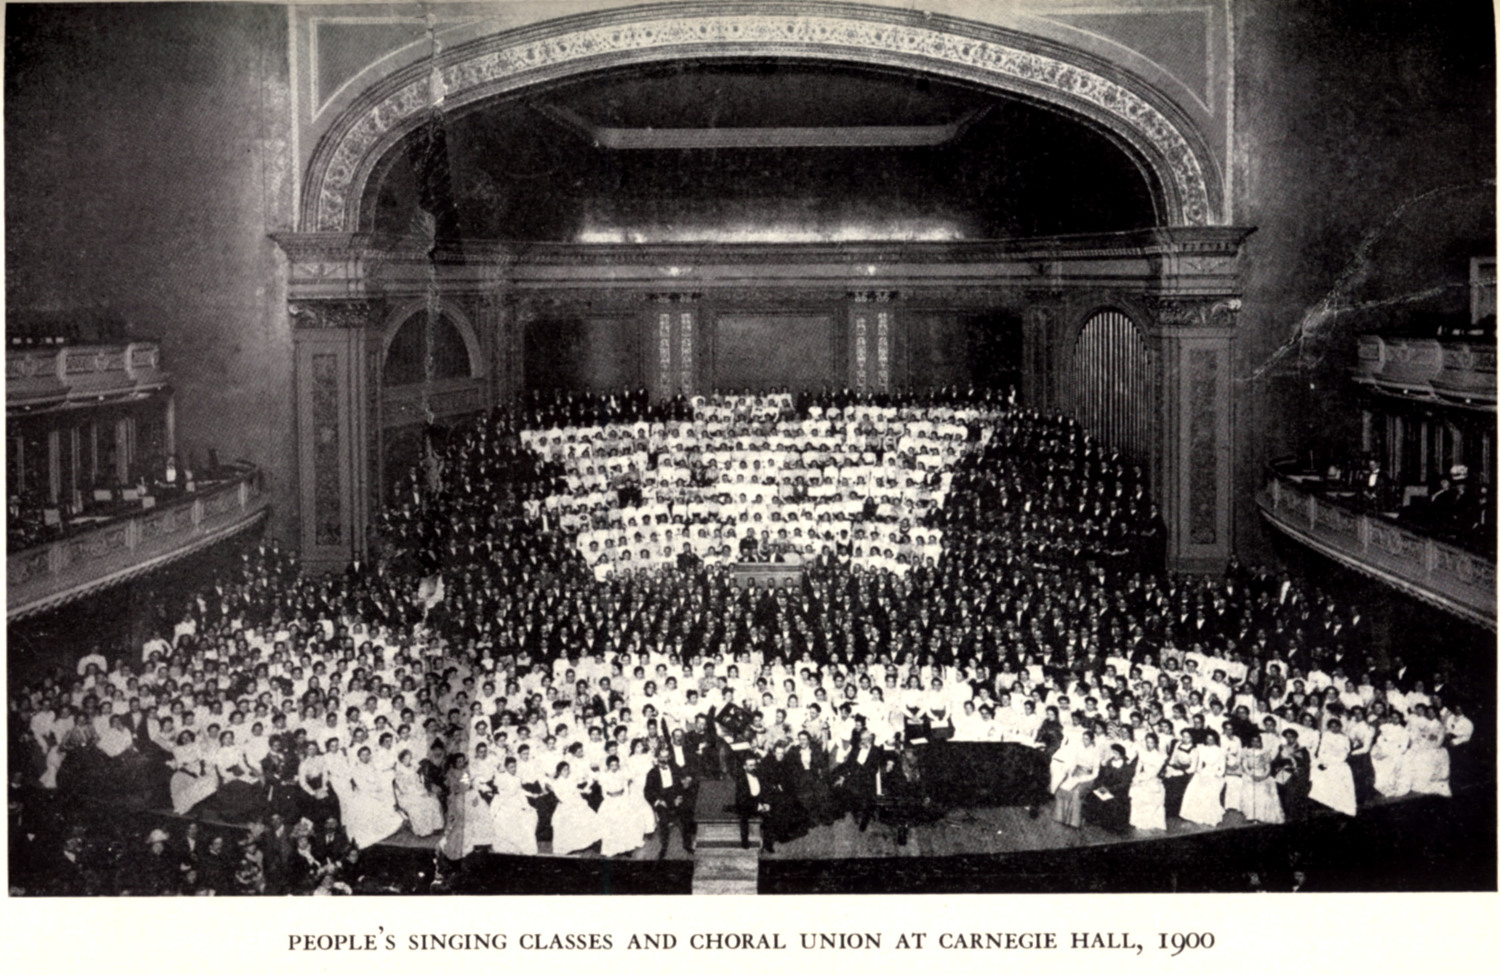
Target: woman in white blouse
{"points": [[1388, 756], [1332, 781], [575, 826], [371, 814], [423, 811], [1083, 769], [1147, 794], [192, 778], [1202, 802], [618, 820], [1427, 759], [515, 819]]}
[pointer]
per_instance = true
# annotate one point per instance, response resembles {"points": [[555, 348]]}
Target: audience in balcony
{"points": [[1456, 507], [34, 518]]}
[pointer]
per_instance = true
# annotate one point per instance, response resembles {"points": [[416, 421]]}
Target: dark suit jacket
{"points": [[673, 796], [857, 778], [800, 779], [699, 745], [690, 766], [745, 803]]}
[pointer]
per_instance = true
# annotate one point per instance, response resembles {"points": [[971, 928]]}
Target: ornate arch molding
{"points": [[1080, 84]]}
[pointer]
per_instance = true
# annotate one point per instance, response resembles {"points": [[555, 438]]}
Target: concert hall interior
{"points": [[777, 446]]}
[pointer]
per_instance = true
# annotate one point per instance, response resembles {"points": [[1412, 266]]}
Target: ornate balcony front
{"points": [[1461, 582], [44, 577], [1430, 370], [81, 375]]}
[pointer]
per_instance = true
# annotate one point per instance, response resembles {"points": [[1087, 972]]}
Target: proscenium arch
{"points": [[1006, 61]]}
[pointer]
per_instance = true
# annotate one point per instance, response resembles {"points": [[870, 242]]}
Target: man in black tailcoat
{"points": [[670, 796], [855, 781], [752, 800]]}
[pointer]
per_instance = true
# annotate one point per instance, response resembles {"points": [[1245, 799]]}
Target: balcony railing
{"points": [[46, 576], [1449, 577], [54, 377], [1435, 370]]}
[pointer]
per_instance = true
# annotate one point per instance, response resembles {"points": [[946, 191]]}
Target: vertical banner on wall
{"points": [[861, 352], [685, 355], [664, 347], [868, 329]]}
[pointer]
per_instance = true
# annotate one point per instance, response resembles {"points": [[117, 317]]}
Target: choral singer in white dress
{"points": [[1147, 794], [371, 813], [424, 813], [192, 778], [1332, 780], [1388, 757], [514, 816], [619, 822], [637, 767], [1202, 801], [575, 826]]}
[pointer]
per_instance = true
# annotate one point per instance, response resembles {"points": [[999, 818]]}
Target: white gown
{"points": [[1147, 795], [423, 811], [469, 822], [1427, 761], [638, 767], [1201, 802], [514, 817], [574, 825], [1332, 781], [370, 815], [193, 780], [618, 821], [1388, 757]]}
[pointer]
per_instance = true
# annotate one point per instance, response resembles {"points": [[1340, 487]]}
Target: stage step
{"points": [[726, 835], [720, 863], [716, 867], [726, 871]]}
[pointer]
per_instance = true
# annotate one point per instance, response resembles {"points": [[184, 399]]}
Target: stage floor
{"points": [[982, 832]]}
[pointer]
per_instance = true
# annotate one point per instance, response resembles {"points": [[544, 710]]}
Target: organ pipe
{"points": [[1109, 387]]}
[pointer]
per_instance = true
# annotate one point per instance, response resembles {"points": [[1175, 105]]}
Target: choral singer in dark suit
{"points": [[1108, 803], [754, 799], [685, 762], [806, 770], [1292, 770], [702, 744], [856, 780], [668, 795]]}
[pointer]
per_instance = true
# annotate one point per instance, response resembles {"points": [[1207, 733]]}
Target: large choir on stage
{"points": [[551, 653]]}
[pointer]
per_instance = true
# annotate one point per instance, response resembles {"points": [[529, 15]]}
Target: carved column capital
{"points": [[329, 314], [1196, 313]]}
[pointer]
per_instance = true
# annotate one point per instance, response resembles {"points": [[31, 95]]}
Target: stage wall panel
{"points": [[758, 351]]}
